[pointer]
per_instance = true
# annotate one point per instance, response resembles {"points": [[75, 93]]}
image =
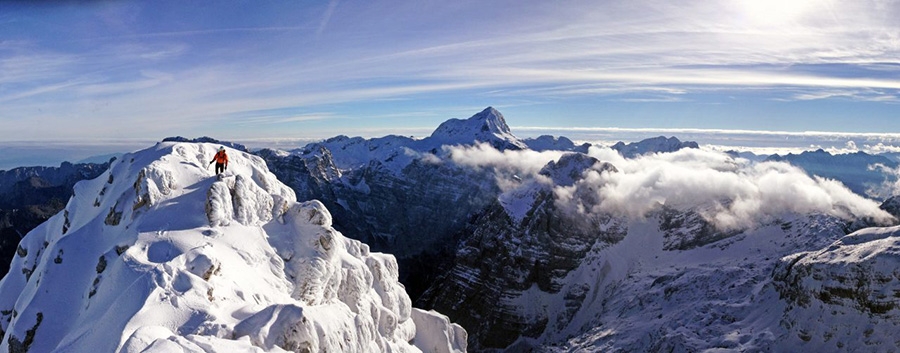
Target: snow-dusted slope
{"points": [[641, 297], [740, 295], [846, 296], [159, 255]]}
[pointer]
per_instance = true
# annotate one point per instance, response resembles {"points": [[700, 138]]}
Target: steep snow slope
{"points": [[159, 255]]}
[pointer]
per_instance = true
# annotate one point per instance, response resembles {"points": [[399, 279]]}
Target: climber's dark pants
{"points": [[220, 167]]}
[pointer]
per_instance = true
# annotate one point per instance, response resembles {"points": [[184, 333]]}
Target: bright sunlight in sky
{"points": [[781, 12], [113, 70]]}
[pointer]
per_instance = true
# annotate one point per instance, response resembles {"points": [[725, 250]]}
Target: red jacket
{"points": [[221, 157]]}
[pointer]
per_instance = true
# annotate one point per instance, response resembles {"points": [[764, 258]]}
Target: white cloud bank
{"points": [[730, 193], [891, 184], [509, 166]]}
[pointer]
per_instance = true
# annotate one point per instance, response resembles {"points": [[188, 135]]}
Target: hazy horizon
{"points": [[52, 153]]}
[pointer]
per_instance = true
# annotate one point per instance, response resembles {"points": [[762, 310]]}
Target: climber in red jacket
{"points": [[221, 160]]}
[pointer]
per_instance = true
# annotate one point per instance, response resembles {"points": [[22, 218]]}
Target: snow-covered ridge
{"points": [[159, 255], [396, 152]]}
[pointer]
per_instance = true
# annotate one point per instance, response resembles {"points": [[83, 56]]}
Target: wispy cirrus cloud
{"points": [[332, 60], [870, 95]]}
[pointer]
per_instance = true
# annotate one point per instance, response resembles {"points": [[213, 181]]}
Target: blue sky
{"points": [[243, 70]]}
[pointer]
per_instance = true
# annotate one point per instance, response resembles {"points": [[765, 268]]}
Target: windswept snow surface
{"points": [[160, 255]]}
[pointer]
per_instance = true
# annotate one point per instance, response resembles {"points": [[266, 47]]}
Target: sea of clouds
{"points": [[732, 193]]}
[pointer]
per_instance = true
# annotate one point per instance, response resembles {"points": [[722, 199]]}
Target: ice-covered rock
{"points": [[160, 255]]}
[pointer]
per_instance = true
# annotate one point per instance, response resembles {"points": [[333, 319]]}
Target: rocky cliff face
{"points": [[892, 206], [502, 262], [507, 257], [416, 213]]}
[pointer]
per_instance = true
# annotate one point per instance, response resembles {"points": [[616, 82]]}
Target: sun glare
{"points": [[774, 12]]}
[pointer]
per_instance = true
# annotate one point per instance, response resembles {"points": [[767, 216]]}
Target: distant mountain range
{"points": [[31, 195], [861, 172]]}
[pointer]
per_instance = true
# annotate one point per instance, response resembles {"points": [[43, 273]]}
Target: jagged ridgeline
{"points": [[159, 255]]}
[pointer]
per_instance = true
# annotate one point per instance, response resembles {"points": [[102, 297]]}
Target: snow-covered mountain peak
{"points": [[492, 120], [158, 254], [554, 143], [487, 126], [659, 144], [571, 168]]}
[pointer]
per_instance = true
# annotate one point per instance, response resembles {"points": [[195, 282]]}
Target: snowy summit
{"points": [[488, 126], [160, 255]]}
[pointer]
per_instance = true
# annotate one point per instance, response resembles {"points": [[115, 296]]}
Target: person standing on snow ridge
{"points": [[221, 160]]}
